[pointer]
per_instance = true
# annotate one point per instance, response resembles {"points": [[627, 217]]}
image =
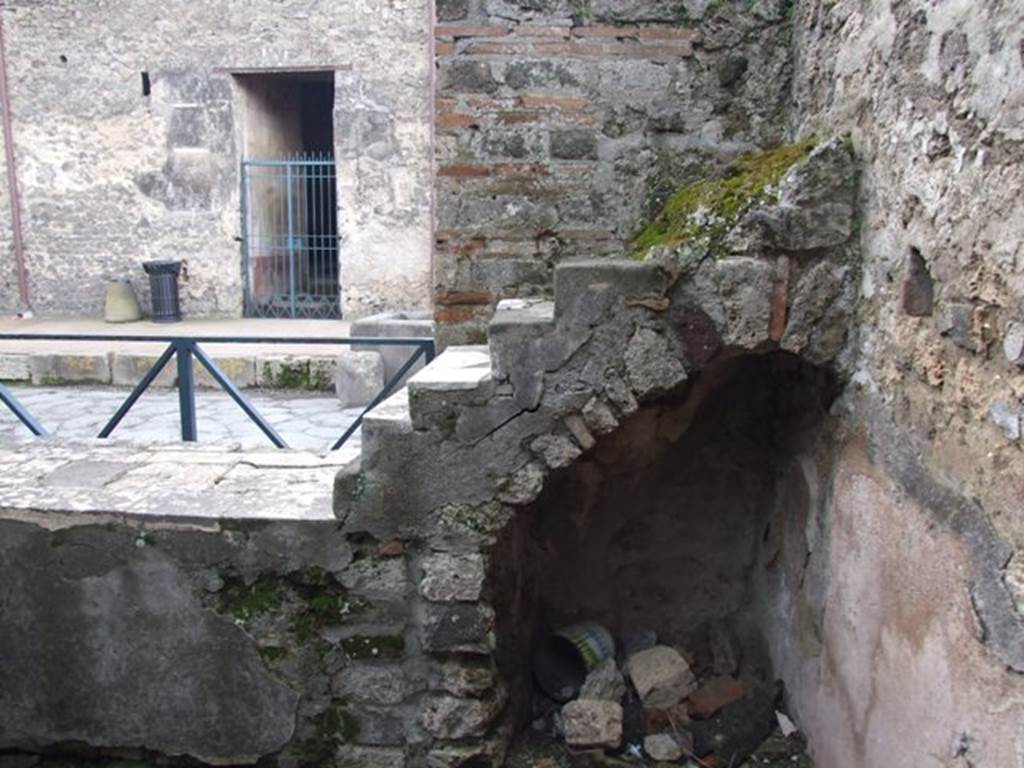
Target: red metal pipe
{"points": [[12, 178]]}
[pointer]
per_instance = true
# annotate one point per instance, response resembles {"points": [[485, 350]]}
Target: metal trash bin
{"points": [[163, 287]]}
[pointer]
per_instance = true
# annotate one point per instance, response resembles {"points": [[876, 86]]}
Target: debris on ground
{"points": [[657, 704]]}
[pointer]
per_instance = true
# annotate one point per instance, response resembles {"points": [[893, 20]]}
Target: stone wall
{"points": [[111, 177], [916, 572], [931, 95], [219, 641], [562, 126]]}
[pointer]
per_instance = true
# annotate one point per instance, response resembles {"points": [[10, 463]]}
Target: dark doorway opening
{"points": [[288, 195]]}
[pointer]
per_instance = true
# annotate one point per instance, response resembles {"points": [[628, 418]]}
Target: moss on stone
{"points": [[247, 602], [374, 646], [703, 212], [338, 724], [326, 609], [273, 653], [286, 374]]}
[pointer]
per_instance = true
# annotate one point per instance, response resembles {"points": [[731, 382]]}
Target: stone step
{"points": [[459, 377], [516, 323], [388, 421]]}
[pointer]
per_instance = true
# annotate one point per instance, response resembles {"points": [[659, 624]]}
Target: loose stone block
{"points": [[662, 747], [590, 723], [358, 377], [452, 577], [604, 683], [661, 676]]}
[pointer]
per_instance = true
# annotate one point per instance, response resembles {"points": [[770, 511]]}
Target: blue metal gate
{"points": [[290, 237]]}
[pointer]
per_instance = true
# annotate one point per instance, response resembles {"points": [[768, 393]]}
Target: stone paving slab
{"points": [[306, 421], [61, 482]]}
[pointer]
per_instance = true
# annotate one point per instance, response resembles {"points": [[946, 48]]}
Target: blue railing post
{"points": [[186, 389], [7, 398], [291, 242]]}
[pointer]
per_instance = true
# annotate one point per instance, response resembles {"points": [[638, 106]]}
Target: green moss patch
{"points": [[374, 647], [273, 653], [703, 212], [338, 725], [247, 602], [326, 609]]}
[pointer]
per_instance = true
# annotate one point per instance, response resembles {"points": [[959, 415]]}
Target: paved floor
{"points": [[305, 421], [55, 483]]}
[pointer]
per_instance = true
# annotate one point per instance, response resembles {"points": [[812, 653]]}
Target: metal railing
{"points": [[185, 349]]}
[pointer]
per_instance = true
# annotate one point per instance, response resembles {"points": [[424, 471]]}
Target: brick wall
{"points": [[558, 130]]}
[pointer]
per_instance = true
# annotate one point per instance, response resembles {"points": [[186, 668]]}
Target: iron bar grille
{"points": [[290, 237]]}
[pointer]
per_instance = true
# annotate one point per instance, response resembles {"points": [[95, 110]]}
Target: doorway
{"points": [[288, 195]]}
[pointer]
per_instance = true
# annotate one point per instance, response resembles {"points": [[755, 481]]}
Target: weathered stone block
{"points": [[575, 144], [469, 77], [604, 683], [650, 364], [467, 679], [662, 747], [127, 370], [661, 676], [70, 369], [14, 367], [452, 10], [557, 451], [241, 371], [543, 74], [410, 325], [358, 377], [458, 627], [377, 577], [187, 127], [446, 717], [449, 577], [590, 723], [377, 686], [109, 664], [286, 372], [369, 757]]}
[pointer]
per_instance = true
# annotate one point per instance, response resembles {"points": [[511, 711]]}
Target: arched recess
{"points": [[695, 515]]}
